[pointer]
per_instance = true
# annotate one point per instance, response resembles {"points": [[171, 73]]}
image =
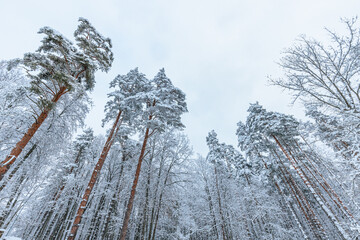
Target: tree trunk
{"points": [[152, 216], [47, 215], [212, 212], [156, 218], [160, 202], [95, 223], [133, 188], [145, 210], [220, 208], [11, 205], [12, 174], [211, 208], [93, 179], [325, 185], [15, 152], [315, 225], [108, 232]]}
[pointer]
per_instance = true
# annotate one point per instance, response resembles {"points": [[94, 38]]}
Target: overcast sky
{"points": [[218, 52]]}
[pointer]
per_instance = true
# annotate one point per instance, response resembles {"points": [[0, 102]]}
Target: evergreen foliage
{"points": [[289, 179]]}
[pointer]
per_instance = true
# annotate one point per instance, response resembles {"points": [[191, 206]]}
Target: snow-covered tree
{"points": [[163, 106], [326, 79], [120, 106], [325, 76], [59, 67], [316, 200]]}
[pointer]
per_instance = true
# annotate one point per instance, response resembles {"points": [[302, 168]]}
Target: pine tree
{"points": [[58, 67], [120, 106], [51, 210], [316, 200], [42, 155], [162, 108]]}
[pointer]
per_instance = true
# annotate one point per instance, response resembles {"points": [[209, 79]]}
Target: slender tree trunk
{"points": [[47, 220], [64, 226], [93, 179], [95, 223], [152, 217], [15, 152], [156, 218], [325, 184], [220, 207], [145, 210], [160, 202], [12, 173], [315, 225], [211, 208], [318, 226], [310, 173], [10, 205], [107, 233], [133, 188]]}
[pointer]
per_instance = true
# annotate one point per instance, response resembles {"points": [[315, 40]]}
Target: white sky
{"points": [[218, 52]]}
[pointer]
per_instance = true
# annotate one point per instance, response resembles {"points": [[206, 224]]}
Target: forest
{"points": [[287, 178]]}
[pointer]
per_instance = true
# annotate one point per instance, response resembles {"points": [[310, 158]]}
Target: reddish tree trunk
{"points": [[15, 152], [318, 228], [133, 188], [94, 176], [12, 173], [327, 186]]}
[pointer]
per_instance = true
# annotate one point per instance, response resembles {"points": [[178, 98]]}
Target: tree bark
{"points": [[14, 197], [133, 188], [145, 210], [15, 152], [12, 174], [94, 176], [107, 232], [309, 213]]}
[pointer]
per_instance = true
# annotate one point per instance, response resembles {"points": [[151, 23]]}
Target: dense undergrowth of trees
{"points": [[287, 178]]}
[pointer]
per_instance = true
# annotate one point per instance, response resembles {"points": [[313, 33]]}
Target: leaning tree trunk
{"points": [[13, 199], [15, 152], [94, 176], [12, 173], [108, 232], [133, 188], [47, 222]]}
